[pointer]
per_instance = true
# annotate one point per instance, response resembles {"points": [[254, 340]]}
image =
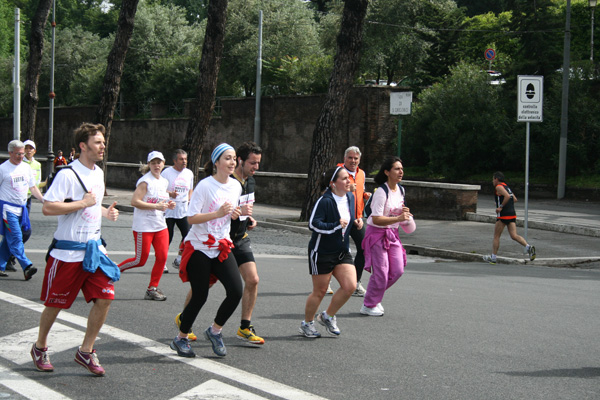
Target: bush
{"points": [[458, 126]]}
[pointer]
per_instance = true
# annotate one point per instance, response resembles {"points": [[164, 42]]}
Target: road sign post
{"points": [[530, 104], [490, 55], [400, 104]]}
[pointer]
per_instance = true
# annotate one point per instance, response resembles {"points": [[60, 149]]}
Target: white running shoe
{"points": [[373, 312], [329, 290], [309, 329], [360, 290], [531, 252], [490, 259], [165, 269], [380, 307]]}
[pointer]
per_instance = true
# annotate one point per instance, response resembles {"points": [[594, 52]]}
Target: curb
{"points": [[474, 257], [300, 227], [545, 226]]}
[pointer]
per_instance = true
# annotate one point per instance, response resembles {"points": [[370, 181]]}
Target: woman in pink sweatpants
{"points": [[385, 257]]}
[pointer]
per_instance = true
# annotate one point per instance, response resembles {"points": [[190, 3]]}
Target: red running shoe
{"points": [[89, 361], [41, 360]]}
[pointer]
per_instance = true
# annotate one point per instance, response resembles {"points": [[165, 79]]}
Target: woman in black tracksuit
{"points": [[329, 251]]}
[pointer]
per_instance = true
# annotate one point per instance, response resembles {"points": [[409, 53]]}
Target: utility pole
{"points": [[17, 78], [258, 81], [564, 118], [50, 157]]}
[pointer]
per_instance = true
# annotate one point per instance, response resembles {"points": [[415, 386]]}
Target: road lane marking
{"points": [[213, 389], [170, 254], [209, 366], [16, 347], [26, 387]]}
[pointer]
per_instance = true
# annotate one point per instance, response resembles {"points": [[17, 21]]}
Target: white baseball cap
{"points": [[30, 143], [155, 154]]}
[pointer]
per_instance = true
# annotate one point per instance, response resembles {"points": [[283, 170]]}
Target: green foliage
{"points": [[172, 78], [539, 27], [195, 10], [80, 65], [458, 126], [163, 54], [6, 88], [392, 45], [444, 22], [329, 27], [7, 30], [290, 75], [476, 7], [289, 32], [489, 31], [584, 123], [87, 14]]}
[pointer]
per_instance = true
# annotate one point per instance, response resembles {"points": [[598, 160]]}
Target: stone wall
{"points": [[428, 200], [287, 125]]}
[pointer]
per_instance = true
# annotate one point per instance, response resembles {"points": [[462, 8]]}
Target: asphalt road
{"points": [[452, 330]]}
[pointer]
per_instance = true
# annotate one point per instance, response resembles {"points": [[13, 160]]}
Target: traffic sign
{"points": [[530, 98], [490, 54], [400, 103]]}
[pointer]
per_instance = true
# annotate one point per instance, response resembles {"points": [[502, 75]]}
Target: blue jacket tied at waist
{"points": [[24, 220], [94, 258]]}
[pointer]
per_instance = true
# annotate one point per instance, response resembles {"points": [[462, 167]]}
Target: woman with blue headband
{"points": [[329, 252], [207, 250]]}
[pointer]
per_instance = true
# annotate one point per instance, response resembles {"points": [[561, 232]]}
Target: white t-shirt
{"points": [[343, 209], [151, 220], [15, 181], [209, 195], [181, 182], [390, 208], [82, 225]]}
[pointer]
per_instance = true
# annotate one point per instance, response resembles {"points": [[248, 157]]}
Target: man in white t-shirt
{"points": [[181, 187], [16, 179], [78, 260]]}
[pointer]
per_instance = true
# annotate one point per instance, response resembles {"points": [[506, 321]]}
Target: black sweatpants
{"points": [[182, 224], [199, 268]]}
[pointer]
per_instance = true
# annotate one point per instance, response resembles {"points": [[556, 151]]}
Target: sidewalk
{"points": [[565, 233]]}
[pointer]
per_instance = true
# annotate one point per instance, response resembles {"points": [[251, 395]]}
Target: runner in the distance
{"points": [[506, 216]]}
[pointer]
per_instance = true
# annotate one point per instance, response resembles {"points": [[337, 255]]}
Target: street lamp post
{"points": [[592, 4]]}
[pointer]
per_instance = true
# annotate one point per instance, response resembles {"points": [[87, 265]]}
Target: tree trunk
{"points": [[34, 69], [329, 122], [114, 70], [210, 63]]}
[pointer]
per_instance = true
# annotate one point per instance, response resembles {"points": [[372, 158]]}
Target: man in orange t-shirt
{"points": [[357, 179]]}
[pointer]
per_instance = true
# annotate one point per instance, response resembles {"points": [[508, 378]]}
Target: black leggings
{"points": [[182, 224], [199, 268], [357, 236]]}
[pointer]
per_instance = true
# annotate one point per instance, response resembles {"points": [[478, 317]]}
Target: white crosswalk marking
{"points": [[209, 366], [26, 387], [16, 347], [214, 389]]}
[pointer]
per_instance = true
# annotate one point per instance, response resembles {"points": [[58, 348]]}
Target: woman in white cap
{"points": [[207, 249], [150, 200]]}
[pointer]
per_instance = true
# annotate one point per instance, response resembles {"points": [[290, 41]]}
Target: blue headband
{"points": [[219, 150]]}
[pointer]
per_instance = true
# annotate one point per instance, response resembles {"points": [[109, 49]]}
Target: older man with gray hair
{"points": [[16, 179], [357, 187]]}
